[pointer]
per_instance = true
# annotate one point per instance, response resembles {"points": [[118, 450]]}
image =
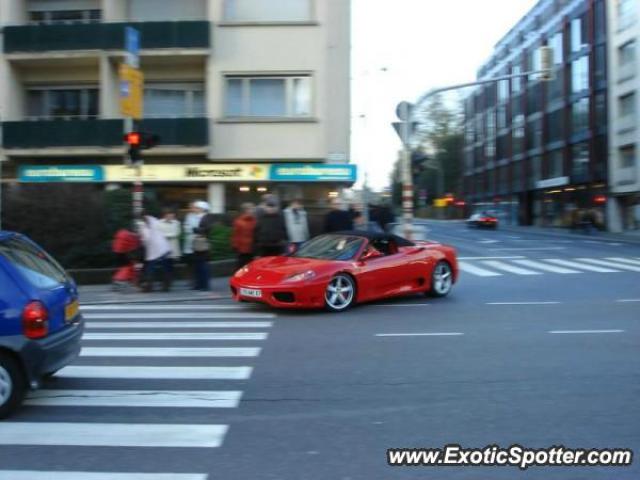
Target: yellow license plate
{"points": [[71, 311]]}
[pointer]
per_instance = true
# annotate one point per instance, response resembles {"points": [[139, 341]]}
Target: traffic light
{"points": [[137, 142]]}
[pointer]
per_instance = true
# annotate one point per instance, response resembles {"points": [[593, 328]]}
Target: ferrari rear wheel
{"points": [[340, 293], [441, 279]]}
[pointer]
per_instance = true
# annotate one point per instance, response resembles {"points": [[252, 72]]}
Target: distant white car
{"points": [[483, 220]]}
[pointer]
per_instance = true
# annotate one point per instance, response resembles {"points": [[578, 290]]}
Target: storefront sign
{"points": [[60, 173], [305, 172], [552, 182], [188, 173]]}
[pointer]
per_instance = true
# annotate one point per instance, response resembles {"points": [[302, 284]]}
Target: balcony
{"points": [[104, 36], [41, 134]]}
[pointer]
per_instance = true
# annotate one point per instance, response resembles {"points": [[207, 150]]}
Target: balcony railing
{"points": [[188, 132], [105, 36]]}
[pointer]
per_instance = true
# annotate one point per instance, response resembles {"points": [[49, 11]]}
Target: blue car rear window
{"points": [[34, 264]]}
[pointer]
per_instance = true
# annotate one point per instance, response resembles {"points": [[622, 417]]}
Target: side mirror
{"points": [[369, 255]]}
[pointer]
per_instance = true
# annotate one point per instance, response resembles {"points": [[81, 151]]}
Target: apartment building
{"points": [[535, 150], [624, 109], [247, 96]]}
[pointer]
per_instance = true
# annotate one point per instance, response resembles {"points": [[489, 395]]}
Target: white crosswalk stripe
{"points": [[170, 352], [135, 398], [494, 267], [607, 263], [580, 265], [501, 265], [135, 382], [474, 270], [543, 266]]}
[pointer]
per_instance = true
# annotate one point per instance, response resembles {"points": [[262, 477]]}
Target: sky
{"points": [[403, 48]]}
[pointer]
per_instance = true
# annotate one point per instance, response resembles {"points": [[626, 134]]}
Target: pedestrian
{"points": [[191, 222], [243, 235], [202, 246], [338, 219], [270, 233], [157, 252], [170, 227], [295, 219]]}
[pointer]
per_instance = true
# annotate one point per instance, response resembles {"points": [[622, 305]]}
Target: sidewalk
{"points": [[180, 292]]}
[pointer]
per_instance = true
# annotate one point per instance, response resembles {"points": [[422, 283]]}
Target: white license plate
{"points": [[251, 292]]}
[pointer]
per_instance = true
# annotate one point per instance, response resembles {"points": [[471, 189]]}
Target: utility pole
{"points": [[404, 112]]}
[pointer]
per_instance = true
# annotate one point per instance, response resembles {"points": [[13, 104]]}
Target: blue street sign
{"points": [[313, 172], [60, 173], [132, 46]]}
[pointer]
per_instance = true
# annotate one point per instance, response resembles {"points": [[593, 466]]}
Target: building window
{"points": [[627, 54], [555, 126], [268, 11], [580, 159], [503, 91], [536, 168], [578, 33], [516, 177], [580, 74], [45, 17], [601, 110], [580, 115], [517, 144], [627, 105], [555, 43], [62, 103], [268, 96], [599, 20], [556, 160], [627, 156], [516, 83], [501, 113], [600, 68], [626, 15], [534, 134], [174, 100]]}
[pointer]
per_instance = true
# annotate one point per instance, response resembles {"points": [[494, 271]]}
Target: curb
{"points": [[155, 300]]}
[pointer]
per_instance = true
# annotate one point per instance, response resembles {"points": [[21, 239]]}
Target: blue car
{"points": [[40, 322]]}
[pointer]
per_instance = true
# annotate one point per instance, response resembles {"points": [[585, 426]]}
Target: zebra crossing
{"points": [[172, 362], [520, 265]]}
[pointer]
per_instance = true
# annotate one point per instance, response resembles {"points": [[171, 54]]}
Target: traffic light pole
{"points": [[407, 180], [138, 187]]}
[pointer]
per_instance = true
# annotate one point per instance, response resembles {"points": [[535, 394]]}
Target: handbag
{"points": [[200, 243]]}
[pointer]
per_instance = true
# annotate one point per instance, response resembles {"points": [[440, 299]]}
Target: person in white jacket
{"points": [[295, 220], [157, 253], [171, 229]]}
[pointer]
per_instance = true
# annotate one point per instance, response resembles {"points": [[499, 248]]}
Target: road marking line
{"points": [[172, 373], [405, 305], [491, 258], [624, 260], [176, 336], [509, 268], [177, 325], [522, 303], [628, 300], [544, 266], [488, 241], [580, 266], [480, 272], [51, 475], [170, 352], [585, 331], [526, 248], [436, 334], [616, 265], [161, 307], [174, 316], [135, 398], [111, 434]]}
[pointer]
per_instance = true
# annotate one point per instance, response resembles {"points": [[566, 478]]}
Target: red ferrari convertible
{"points": [[336, 271]]}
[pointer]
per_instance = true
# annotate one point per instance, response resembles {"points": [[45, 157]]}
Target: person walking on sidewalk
{"points": [[202, 247], [157, 252], [338, 219], [295, 219], [271, 234], [242, 237], [191, 222], [170, 228]]}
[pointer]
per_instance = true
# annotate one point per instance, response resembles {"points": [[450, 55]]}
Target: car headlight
{"points": [[244, 270], [301, 277]]}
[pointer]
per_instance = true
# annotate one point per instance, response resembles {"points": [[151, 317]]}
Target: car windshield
{"points": [[34, 264], [330, 247]]}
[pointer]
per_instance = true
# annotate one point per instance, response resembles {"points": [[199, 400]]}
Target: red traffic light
{"points": [[133, 138], [600, 199]]}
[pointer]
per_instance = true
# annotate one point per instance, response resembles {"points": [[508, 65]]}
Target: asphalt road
{"points": [[517, 354]]}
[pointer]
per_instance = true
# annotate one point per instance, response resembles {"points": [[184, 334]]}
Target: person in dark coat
{"points": [[242, 238], [338, 219], [270, 232]]}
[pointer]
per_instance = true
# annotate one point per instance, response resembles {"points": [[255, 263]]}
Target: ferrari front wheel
{"points": [[340, 293], [441, 280]]}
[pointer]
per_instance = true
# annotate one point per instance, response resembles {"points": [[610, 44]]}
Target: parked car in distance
{"points": [[40, 321], [336, 271], [484, 219]]}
